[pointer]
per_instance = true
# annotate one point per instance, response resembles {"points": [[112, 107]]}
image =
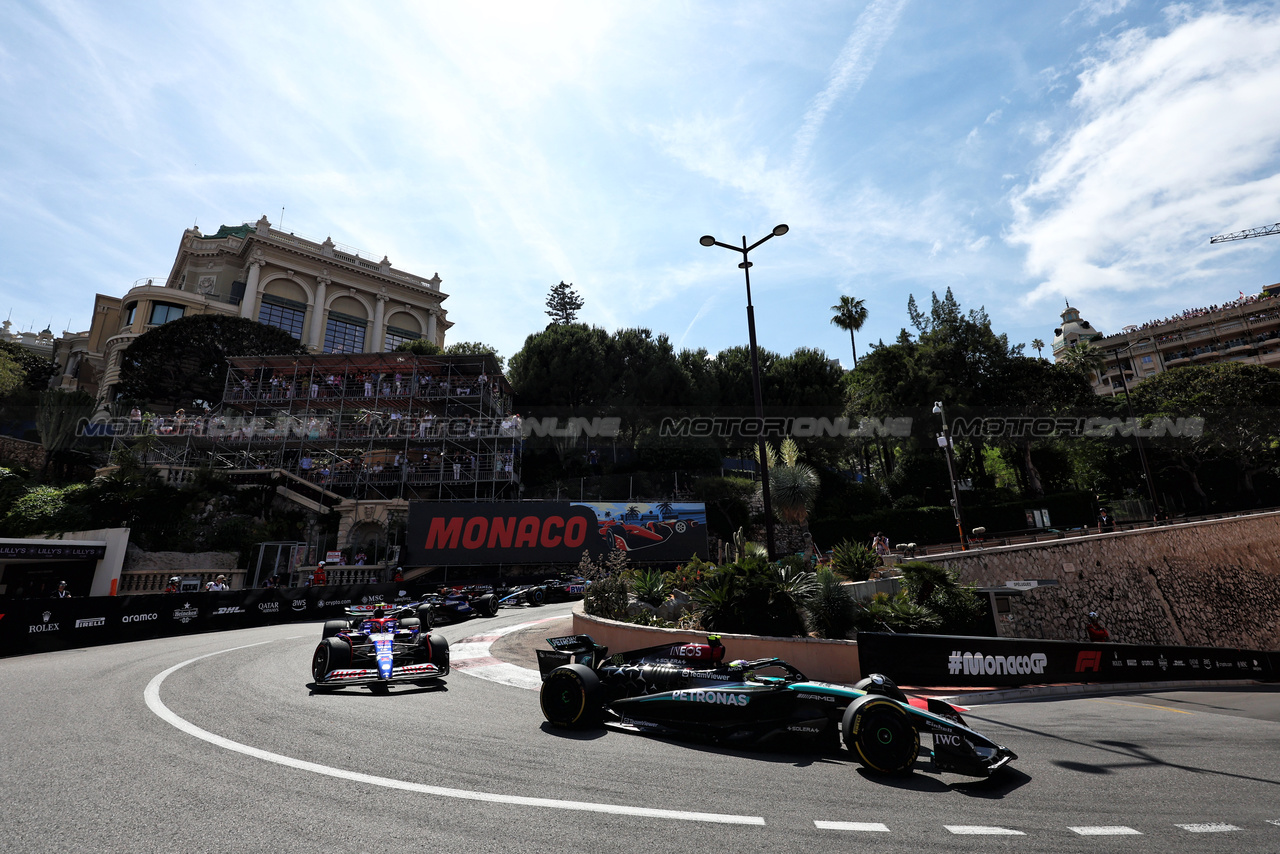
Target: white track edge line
{"points": [[157, 706]]}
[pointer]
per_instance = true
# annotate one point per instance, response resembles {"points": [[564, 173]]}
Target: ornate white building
{"points": [[326, 295]]}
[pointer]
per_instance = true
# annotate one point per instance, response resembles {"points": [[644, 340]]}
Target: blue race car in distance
{"points": [[687, 689], [377, 646]]}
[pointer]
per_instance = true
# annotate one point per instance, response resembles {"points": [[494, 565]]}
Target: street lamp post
{"points": [[708, 240], [1137, 437], [944, 441]]}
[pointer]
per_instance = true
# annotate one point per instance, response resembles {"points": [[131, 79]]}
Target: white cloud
{"points": [[1175, 140]]}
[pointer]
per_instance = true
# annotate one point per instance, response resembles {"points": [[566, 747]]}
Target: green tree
{"points": [[1237, 404], [1084, 357], [565, 365], [419, 347], [12, 373], [185, 360], [793, 485], [37, 369], [474, 348], [58, 420], [563, 304], [850, 315]]}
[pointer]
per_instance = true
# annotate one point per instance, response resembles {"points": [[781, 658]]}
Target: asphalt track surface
{"points": [[215, 743]]}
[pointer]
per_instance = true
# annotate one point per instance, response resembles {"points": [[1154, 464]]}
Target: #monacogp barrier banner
{"points": [[948, 660], [42, 625], [514, 532]]}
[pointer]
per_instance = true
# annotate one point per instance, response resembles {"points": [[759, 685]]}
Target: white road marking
{"points": [[1116, 830], [152, 696], [472, 657], [1207, 828], [1275, 821], [981, 830], [864, 826]]}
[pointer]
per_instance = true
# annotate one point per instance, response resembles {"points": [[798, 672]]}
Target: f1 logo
{"points": [[1088, 661]]}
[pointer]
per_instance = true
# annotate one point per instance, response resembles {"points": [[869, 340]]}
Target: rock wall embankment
{"points": [[1213, 583]]}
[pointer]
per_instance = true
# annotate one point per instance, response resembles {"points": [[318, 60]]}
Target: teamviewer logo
{"points": [[1088, 661], [955, 663]]}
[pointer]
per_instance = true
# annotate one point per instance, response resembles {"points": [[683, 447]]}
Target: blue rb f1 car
{"points": [[377, 646]]}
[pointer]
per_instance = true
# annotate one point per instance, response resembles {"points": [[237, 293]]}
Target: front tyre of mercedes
{"points": [[879, 732], [572, 696]]}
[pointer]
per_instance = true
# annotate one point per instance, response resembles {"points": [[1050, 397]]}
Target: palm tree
{"points": [[1084, 357], [850, 315], [1038, 346], [793, 485]]}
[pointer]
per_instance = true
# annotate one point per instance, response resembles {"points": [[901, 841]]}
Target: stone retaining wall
{"points": [[1211, 583], [29, 454], [178, 563]]}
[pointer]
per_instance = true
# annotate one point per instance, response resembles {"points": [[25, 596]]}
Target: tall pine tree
{"points": [[563, 304]]}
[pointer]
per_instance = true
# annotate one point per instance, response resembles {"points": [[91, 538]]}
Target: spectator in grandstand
{"points": [[174, 583], [1097, 633], [218, 585], [318, 578], [62, 592]]}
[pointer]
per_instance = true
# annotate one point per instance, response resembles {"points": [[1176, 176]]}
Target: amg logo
{"points": [[823, 697], [1088, 661]]}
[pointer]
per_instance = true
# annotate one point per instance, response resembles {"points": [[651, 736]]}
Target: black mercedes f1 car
{"points": [[689, 690], [379, 645]]}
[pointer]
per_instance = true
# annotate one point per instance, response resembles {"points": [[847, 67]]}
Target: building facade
{"points": [[327, 296], [1244, 330]]}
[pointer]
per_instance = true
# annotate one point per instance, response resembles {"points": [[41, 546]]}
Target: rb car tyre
{"points": [[426, 616], [411, 623], [332, 627], [879, 732], [435, 650], [572, 696], [332, 654]]}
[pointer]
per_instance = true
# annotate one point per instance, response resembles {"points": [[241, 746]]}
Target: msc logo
{"points": [[1088, 661]]}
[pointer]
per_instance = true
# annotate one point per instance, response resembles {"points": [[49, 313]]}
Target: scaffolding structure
{"points": [[363, 426]]}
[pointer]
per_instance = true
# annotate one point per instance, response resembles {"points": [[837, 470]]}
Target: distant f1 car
{"points": [[688, 690], [377, 646], [455, 604], [550, 590]]}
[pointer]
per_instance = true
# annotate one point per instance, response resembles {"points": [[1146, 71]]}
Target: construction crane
{"points": [[1261, 231]]}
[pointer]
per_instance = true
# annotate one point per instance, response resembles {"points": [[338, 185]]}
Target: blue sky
{"points": [[1019, 153]]}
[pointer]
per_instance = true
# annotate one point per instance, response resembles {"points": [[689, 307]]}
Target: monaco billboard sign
{"points": [[442, 533]]}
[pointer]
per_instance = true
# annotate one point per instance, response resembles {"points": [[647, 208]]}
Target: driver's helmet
{"points": [[174, 580]]}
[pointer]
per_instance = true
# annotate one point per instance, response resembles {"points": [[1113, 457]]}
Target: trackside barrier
{"points": [[949, 660], [43, 625]]}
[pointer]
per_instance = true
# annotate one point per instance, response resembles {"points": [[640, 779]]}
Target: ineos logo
{"points": [[139, 618]]}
